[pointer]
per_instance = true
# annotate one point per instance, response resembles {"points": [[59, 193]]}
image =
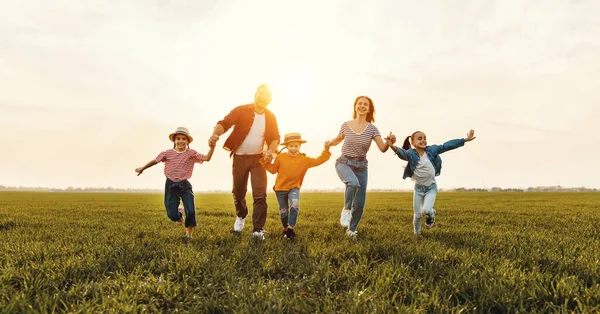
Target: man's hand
{"points": [[212, 140], [268, 155]]}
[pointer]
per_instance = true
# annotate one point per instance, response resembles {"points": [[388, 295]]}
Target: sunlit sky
{"points": [[90, 90]]}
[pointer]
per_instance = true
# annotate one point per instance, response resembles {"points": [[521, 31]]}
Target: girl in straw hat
{"points": [[291, 168], [179, 165]]}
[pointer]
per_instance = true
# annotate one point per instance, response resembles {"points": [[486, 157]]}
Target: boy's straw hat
{"points": [[181, 130], [292, 137]]}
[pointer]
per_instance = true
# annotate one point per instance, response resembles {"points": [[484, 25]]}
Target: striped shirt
{"points": [[356, 145], [179, 165]]}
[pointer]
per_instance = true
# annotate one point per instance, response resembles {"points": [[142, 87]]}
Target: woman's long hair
{"points": [[371, 114]]}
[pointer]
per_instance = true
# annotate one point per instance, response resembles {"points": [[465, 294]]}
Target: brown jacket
{"points": [[242, 118]]}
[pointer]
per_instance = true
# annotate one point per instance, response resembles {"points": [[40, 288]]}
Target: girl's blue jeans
{"points": [[289, 206], [423, 200]]}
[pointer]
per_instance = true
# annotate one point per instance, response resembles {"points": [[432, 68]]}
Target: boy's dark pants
{"points": [[180, 190]]}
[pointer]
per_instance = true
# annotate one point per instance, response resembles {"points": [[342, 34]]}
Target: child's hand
{"points": [[390, 137], [470, 136], [389, 141], [139, 170], [268, 155], [327, 145]]}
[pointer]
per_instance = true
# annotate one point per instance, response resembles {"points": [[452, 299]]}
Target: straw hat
{"points": [[181, 130], [292, 137]]}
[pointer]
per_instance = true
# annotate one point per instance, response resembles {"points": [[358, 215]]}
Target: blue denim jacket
{"points": [[433, 152]]}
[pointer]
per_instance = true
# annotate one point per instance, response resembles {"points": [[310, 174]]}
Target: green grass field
{"points": [[488, 252]]}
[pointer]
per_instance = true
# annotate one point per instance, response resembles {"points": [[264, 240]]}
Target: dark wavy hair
{"points": [[371, 114]]}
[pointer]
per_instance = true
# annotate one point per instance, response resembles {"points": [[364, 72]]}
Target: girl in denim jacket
{"points": [[424, 170]]}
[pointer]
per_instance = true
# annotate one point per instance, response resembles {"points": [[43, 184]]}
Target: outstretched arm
{"points": [[270, 167], [208, 155], [146, 166], [397, 150], [335, 141], [325, 155], [217, 131], [382, 144], [456, 143]]}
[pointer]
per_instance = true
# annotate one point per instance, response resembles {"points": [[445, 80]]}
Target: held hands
{"points": [[390, 139], [212, 140], [470, 136], [268, 155], [327, 145], [389, 142]]}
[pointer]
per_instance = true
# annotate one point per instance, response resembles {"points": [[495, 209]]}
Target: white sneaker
{"points": [[346, 217], [259, 235], [238, 226], [352, 234]]}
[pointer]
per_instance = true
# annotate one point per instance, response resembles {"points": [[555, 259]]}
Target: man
{"points": [[255, 128]]}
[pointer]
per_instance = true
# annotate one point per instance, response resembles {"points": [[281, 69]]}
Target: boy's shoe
{"points": [[345, 217], [289, 234], [180, 210], [238, 226], [352, 234], [430, 220], [259, 235]]}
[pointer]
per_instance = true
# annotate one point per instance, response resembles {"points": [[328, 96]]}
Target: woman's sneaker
{"points": [[352, 234], [345, 217]]}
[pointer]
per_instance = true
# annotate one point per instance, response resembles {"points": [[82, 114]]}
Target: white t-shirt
{"points": [[424, 172], [255, 140]]}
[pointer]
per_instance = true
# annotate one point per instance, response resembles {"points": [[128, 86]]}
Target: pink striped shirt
{"points": [[179, 165]]}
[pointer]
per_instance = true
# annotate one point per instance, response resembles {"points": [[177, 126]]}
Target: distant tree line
{"points": [[461, 189]]}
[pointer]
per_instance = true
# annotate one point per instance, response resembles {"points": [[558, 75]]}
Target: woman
{"points": [[352, 166]]}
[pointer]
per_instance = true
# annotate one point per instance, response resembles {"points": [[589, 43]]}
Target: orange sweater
{"points": [[291, 169]]}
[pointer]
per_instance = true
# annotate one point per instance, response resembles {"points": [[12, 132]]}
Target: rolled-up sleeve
{"points": [[231, 119]]}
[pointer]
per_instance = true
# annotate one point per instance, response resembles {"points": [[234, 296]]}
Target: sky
{"points": [[90, 90]]}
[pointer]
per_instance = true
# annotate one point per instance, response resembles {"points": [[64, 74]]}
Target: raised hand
{"points": [[470, 136], [391, 137], [389, 141]]}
